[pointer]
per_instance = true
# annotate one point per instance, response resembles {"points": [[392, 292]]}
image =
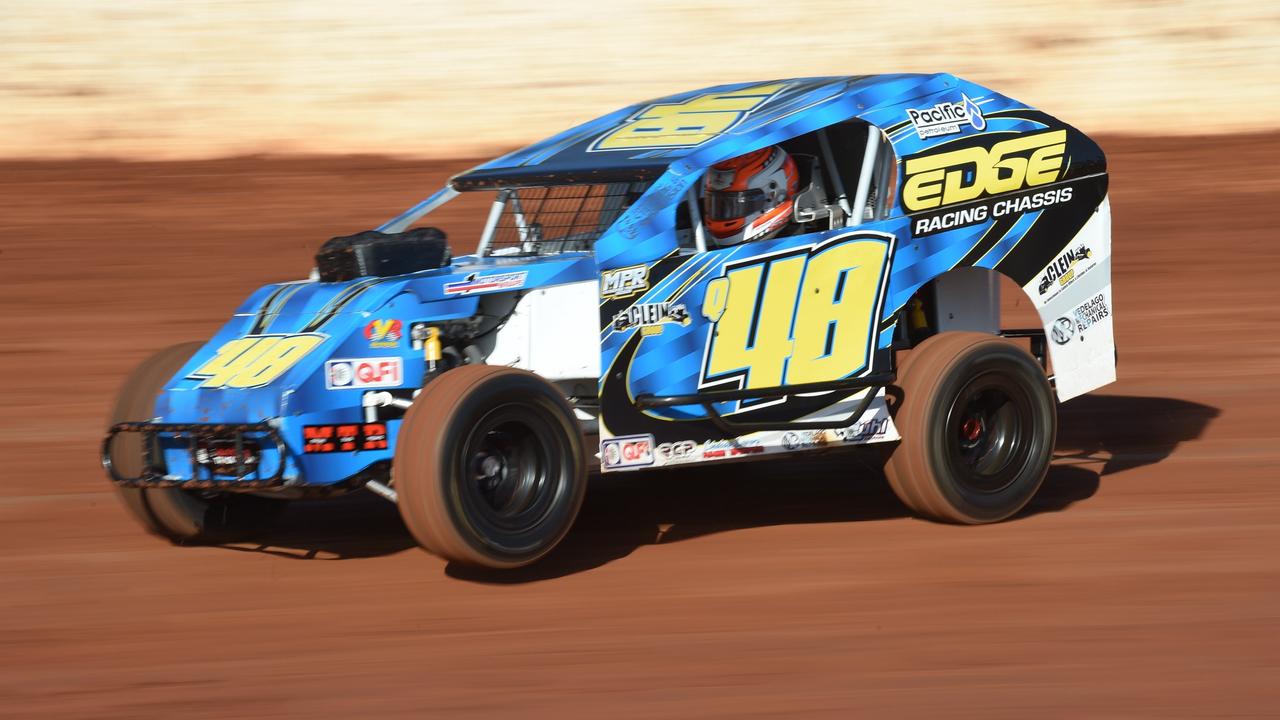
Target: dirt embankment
{"points": [[171, 80], [1141, 582]]}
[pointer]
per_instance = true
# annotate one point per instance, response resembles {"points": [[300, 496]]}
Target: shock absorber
{"points": [[431, 353]]}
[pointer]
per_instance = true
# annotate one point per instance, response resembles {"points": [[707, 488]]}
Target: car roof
{"points": [[701, 127]]}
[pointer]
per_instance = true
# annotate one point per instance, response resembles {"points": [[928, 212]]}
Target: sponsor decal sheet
{"points": [[634, 452], [1073, 296]]}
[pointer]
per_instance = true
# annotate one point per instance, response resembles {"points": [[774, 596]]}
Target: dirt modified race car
{"points": [[599, 322]]}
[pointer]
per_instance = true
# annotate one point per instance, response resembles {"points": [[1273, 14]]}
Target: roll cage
{"points": [[847, 173]]}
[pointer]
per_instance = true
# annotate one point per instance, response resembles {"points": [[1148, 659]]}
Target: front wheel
{"points": [[978, 425], [489, 467]]}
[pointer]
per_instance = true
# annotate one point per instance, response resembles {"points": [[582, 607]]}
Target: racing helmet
{"points": [[750, 197]]}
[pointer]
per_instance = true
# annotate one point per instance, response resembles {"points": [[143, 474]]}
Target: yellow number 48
{"points": [[803, 316], [688, 123], [254, 360]]}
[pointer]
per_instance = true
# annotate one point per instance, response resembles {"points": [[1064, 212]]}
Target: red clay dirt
{"points": [[1142, 581]]}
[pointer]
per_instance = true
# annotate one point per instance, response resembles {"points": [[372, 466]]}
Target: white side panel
{"points": [[512, 346], [1073, 296], [553, 332], [968, 299]]}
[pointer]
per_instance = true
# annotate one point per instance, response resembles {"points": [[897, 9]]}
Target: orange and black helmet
{"points": [[750, 197]]}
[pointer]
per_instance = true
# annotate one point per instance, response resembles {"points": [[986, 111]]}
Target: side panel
{"points": [[968, 299], [988, 182], [1072, 293], [552, 333], [792, 310]]}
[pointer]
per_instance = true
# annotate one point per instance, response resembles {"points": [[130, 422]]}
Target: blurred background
{"points": [[162, 79], [160, 160]]}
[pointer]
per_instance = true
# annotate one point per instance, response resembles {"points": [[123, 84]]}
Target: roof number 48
{"points": [[686, 124]]}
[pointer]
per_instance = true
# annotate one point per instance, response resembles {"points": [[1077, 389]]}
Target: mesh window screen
{"points": [[563, 218]]}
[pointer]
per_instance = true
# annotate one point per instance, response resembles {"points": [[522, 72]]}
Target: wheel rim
{"points": [[990, 432], [511, 475]]}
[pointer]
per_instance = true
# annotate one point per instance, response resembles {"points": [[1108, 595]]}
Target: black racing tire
{"points": [[185, 517], [489, 467], [978, 423]]}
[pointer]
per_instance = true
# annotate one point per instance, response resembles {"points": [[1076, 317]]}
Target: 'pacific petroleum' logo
{"points": [[947, 118]]}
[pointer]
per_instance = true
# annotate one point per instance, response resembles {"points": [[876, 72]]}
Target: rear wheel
{"points": [[182, 516], [489, 467], [978, 424]]}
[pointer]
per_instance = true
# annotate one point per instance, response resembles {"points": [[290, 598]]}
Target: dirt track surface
{"points": [[1143, 580]]}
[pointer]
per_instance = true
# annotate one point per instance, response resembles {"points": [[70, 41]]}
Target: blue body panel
{"points": [[339, 312]]}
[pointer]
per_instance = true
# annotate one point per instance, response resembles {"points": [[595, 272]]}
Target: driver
{"points": [[750, 197]]}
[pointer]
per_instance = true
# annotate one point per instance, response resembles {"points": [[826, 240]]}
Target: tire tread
{"points": [[921, 377]]}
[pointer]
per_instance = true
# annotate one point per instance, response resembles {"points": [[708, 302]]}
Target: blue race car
{"points": [[724, 274]]}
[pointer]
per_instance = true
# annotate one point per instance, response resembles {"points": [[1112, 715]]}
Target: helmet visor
{"points": [[726, 205]]}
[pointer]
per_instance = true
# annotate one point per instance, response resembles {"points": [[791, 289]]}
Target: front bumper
{"points": [[257, 461]]}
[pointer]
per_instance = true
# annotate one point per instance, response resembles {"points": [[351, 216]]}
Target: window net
{"points": [[562, 218]]}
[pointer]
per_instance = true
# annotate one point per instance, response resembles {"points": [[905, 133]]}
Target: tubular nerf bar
{"points": [[707, 399]]}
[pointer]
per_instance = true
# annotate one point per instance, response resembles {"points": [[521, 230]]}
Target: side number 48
{"points": [[799, 316]]}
